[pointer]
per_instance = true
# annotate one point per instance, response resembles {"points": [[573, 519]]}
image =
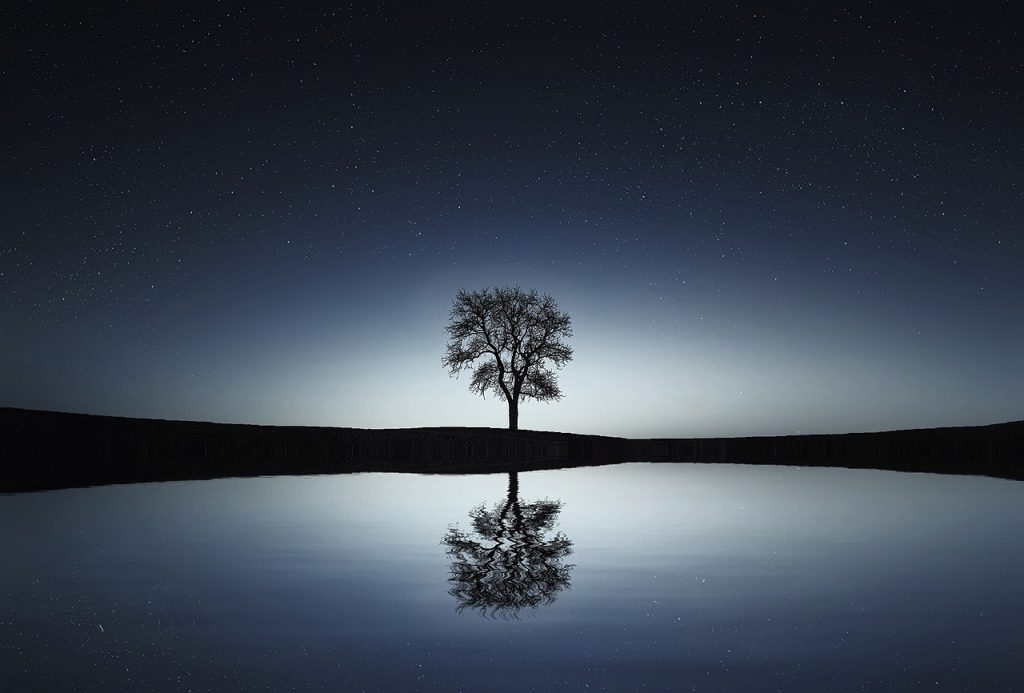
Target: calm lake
{"points": [[627, 577]]}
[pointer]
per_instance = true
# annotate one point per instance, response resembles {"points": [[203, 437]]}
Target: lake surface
{"points": [[627, 577]]}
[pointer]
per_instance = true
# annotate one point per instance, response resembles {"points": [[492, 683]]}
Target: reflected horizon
{"points": [[730, 576]]}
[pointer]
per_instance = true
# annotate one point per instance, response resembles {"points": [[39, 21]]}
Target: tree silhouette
{"points": [[512, 564], [516, 334]]}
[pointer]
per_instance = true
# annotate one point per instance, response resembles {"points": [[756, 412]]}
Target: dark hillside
{"points": [[43, 450]]}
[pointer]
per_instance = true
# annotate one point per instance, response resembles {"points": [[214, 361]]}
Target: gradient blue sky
{"points": [[759, 224]]}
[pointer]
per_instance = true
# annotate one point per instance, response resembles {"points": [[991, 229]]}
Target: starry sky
{"points": [[761, 221]]}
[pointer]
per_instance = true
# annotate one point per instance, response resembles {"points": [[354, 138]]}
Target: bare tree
{"points": [[507, 337], [509, 561]]}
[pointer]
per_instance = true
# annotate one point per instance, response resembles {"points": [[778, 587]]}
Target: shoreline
{"points": [[42, 450]]}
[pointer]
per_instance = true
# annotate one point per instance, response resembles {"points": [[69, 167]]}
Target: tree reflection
{"points": [[508, 561]]}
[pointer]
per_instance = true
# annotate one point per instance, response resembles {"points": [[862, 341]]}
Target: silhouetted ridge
{"points": [[41, 450]]}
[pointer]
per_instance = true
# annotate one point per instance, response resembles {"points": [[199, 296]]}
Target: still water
{"points": [[627, 577]]}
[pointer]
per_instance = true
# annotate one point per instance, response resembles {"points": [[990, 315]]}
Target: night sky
{"points": [[761, 222]]}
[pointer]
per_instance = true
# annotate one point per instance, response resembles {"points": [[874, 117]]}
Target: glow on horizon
{"points": [[641, 369]]}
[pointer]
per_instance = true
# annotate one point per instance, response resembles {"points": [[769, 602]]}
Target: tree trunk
{"points": [[513, 414], [513, 488], [513, 500]]}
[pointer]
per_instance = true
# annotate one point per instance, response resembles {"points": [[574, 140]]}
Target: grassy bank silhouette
{"points": [[51, 450]]}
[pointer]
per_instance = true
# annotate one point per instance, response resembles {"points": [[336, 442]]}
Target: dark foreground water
{"points": [[631, 577]]}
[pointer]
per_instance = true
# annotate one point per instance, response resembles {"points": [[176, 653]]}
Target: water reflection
{"points": [[509, 561]]}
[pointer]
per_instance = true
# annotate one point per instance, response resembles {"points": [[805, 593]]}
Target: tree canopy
{"points": [[508, 339], [510, 561]]}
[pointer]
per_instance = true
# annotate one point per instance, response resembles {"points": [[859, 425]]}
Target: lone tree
{"points": [[509, 561], [507, 337]]}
